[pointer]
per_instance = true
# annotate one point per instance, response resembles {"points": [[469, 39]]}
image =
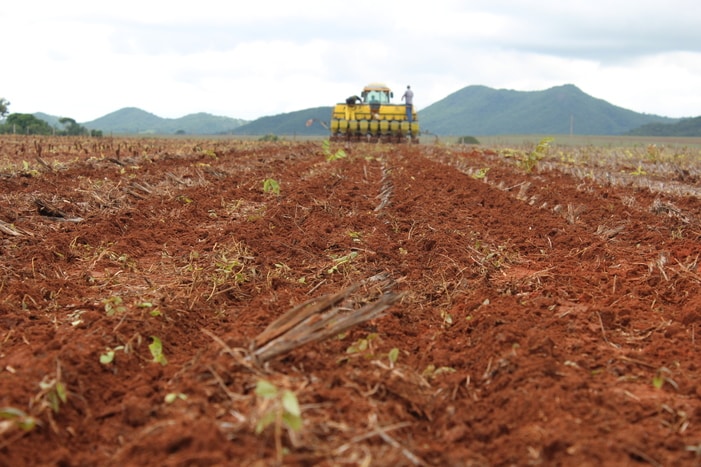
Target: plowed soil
{"points": [[545, 318]]}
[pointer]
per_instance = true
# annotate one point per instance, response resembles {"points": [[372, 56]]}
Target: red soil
{"points": [[552, 323]]}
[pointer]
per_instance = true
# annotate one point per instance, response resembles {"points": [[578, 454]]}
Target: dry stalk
{"points": [[660, 263], [660, 207], [609, 233], [9, 229], [323, 317], [386, 190], [573, 213], [521, 196]]}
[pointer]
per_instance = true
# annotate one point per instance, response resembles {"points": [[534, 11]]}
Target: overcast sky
{"points": [[85, 59]]}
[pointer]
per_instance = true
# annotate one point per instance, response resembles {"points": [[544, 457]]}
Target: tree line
{"points": [[28, 124]]}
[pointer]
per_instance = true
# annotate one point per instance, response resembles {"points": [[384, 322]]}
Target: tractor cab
{"points": [[376, 93]]}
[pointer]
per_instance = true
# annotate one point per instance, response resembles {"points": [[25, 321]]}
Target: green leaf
{"points": [[290, 403], [61, 392], [265, 420], [19, 417], [293, 422], [107, 357], [266, 389], [393, 355], [156, 348], [173, 396], [271, 185]]}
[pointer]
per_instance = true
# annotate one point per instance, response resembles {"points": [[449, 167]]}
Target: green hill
{"points": [[292, 123], [50, 119], [131, 120], [684, 127], [479, 110], [473, 110]]}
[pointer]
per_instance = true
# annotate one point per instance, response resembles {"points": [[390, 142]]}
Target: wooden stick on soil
{"points": [[321, 318]]}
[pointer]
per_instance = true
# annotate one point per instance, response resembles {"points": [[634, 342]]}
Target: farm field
{"points": [[534, 305]]}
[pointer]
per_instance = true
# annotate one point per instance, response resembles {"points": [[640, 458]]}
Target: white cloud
{"points": [[246, 60]]}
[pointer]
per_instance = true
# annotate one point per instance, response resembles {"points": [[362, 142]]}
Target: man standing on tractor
{"points": [[408, 97]]}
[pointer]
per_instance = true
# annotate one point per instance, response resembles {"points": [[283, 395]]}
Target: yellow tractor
{"points": [[373, 118]]}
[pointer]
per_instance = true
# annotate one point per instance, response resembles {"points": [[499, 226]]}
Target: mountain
{"points": [[479, 110], [131, 120], [292, 123], [50, 119], [684, 127], [473, 111]]}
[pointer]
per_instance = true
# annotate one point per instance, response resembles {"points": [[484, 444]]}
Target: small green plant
{"points": [[156, 349], [529, 161], [639, 170], [356, 236], [332, 156], [113, 305], [270, 185], [28, 171], [209, 153], [108, 356], [362, 345], [393, 356], [11, 417], [279, 408], [341, 261], [153, 310], [479, 174], [54, 392], [431, 371], [661, 377], [174, 396]]}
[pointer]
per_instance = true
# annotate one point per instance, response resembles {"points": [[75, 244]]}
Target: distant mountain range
{"points": [[293, 123], [684, 127], [479, 110], [131, 120], [473, 111]]}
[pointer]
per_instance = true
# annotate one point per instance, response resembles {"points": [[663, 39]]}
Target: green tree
{"points": [[71, 127], [26, 124], [4, 104]]}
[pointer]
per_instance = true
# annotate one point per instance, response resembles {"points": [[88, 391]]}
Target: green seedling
{"points": [[362, 345], [279, 408], [639, 171], [27, 170], [660, 378], [356, 236], [393, 355], [529, 161], [113, 305], [108, 357], [54, 392], [153, 310], [479, 174], [11, 417], [174, 396], [332, 156], [270, 185], [431, 371], [340, 261], [156, 349]]}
